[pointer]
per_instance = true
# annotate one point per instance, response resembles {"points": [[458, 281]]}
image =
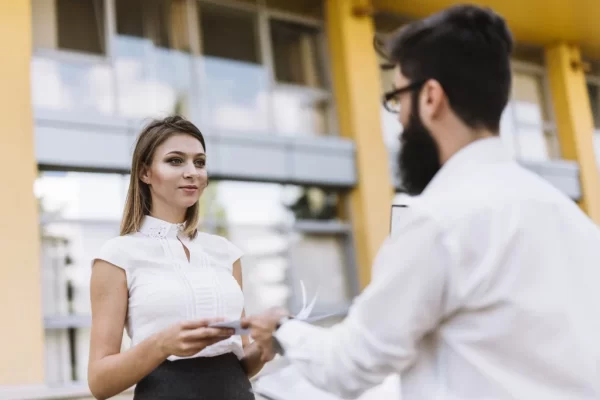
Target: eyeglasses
{"points": [[390, 99]]}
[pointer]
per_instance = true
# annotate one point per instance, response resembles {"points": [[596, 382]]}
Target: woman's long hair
{"points": [[139, 200]]}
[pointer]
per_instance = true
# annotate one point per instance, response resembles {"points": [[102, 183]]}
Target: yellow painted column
{"points": [[574, 120], [21, 333], [356, 85]]}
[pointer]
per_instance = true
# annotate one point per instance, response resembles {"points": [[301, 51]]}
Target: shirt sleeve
{"points": [[234, 253], [404, 301], [112, 252]]}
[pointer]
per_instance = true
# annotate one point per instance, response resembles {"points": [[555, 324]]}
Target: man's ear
{"points": [[433, 99]]}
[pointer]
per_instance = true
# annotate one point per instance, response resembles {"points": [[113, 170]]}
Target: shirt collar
{"points": [[159, 229], [467, 160]]}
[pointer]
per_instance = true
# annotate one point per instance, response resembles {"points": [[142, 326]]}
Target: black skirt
{"points": [[201, 378]]}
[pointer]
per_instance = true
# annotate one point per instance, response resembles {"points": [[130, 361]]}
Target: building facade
{"points": [[299, 148]]}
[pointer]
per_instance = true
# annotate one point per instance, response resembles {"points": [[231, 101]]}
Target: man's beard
{"points": [[418, 159]]}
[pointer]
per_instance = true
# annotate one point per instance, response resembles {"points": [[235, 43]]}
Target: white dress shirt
{"points": [[165, 288], [489, 290]]}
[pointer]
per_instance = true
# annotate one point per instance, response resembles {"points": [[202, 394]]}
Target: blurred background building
{"points": [[300, 150]]}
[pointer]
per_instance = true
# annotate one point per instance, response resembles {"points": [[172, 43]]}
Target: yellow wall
{"points": [[21, 335], [356, 82]]}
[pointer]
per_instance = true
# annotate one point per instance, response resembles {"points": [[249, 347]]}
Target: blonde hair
{"points": [[139, 199]]}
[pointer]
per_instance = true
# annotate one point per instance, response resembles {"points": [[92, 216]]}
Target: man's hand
{"points": [[262, 327]]}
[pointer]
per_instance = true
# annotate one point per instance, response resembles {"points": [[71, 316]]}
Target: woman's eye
{"points": [[176, 161], [200, 163]]}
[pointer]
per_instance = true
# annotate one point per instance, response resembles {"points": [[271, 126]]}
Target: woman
{"points": [[165, 282]]}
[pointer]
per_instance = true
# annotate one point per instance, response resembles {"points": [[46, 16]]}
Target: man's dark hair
{"points": [[467, 50]]}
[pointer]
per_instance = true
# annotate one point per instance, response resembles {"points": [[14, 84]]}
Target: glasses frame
{"points": [[394, 93]]}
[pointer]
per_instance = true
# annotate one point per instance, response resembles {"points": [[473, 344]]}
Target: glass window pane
{"points": [[258, 217], [247, 203], [527, 113], [234, 97], [229, 34], [163, 22], [72, 86], [76, 195], [320, 262], [296, 54], [153, 64], [252, 216], [532, 144], [265, 265], [76, 25], [152, 81], [508, 131], [57, 352], [233, 83], [523, 124], [81, 25], [527, 90], [300, 112]]}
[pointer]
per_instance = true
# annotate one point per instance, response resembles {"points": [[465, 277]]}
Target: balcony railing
{"points": [[141, 80]]}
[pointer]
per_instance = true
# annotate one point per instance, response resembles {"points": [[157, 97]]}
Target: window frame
{"points": [[69, 55], [548, 126], [323, 93]]}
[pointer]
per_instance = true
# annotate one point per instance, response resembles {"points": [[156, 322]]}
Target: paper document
{"points": [[233, 325], [303, 314]]}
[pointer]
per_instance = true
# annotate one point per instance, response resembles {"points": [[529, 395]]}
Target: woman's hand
{"points": [[252, 361], [185, 339]]}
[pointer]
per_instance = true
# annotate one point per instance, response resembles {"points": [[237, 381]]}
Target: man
{"points": [[489, 290]]}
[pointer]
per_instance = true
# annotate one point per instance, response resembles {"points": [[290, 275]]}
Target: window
{"points": [[75, 25], [296, 54], [234, 85], [280, 228], [301, 103], [163, 22], [229, 34], [77, 84], [525, 125], [153, 63], [267, 221], [79, 213]]}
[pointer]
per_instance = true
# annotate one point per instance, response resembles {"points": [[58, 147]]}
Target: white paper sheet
{"points": [[303, 314]]}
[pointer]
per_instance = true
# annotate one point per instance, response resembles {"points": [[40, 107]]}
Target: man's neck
{"points": [[460, 140]]}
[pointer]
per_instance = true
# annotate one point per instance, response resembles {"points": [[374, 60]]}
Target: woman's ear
{"points": [[145, 175]]}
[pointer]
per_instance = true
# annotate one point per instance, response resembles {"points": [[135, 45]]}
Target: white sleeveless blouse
{"points": [[164, 288]]}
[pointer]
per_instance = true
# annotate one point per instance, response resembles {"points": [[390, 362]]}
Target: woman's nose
{"points": [[190, 170]]}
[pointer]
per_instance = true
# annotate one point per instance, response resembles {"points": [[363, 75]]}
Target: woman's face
{"points": [[177, 176]]}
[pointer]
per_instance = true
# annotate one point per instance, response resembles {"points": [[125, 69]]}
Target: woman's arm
{"points": [[251, 362], [111, 372]]}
